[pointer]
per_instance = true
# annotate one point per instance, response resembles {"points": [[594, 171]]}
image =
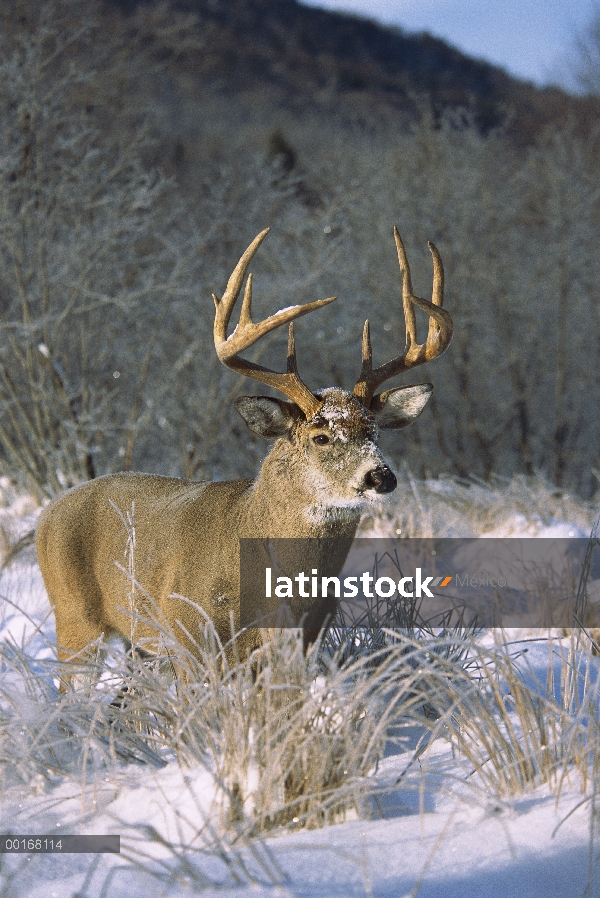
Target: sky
{"points": [[529, 38]]}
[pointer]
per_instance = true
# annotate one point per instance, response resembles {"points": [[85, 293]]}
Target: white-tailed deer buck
{"points": [[324, 468]]}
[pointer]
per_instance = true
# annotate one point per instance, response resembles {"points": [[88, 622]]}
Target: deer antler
{"points": [[438, 336], [247, 333]]}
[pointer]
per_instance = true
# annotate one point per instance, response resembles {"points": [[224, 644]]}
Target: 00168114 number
{"points": [[47, 844], [24, 843]]}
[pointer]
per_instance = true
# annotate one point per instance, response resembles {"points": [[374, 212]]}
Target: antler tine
{"points": [[366, 371], [292, 366], [409, 311], [224, 306], [247, 333], [439, 333]]}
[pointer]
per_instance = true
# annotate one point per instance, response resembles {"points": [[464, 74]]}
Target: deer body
{"points": [[324, 468], [187, 534]]}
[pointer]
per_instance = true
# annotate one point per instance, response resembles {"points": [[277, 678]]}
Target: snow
{"points": [[520, 526], [452, 848], [435, 833]]}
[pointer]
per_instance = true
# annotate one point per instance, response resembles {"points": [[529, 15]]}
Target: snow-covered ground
{"points": [[432, 829]]}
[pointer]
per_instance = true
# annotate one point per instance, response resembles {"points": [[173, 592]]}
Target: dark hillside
{"points": [[315, 59]]}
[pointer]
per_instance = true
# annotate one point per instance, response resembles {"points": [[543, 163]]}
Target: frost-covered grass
{"points": [[448, 507], [450, 765]]}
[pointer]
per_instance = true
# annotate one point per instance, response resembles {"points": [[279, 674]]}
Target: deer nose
{"points": [[382, 480]]}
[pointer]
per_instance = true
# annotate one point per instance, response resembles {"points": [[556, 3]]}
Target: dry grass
{"points": [[291, 742], [515, 731], [17, 514], [295, 739]]}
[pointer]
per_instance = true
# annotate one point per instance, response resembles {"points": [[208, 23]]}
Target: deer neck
{"points": [[283, 503]]}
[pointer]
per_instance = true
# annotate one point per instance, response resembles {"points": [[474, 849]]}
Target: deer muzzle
{"points": [[381, 479]]}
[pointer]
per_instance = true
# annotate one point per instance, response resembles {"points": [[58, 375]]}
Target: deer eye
{"points": [[321, 439]]}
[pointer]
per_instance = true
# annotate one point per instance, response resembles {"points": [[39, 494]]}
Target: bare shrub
{"points": [[86, 242]]}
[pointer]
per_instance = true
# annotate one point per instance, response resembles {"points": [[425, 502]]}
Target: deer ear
{"points": [[398, 408], [266, 416]]}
